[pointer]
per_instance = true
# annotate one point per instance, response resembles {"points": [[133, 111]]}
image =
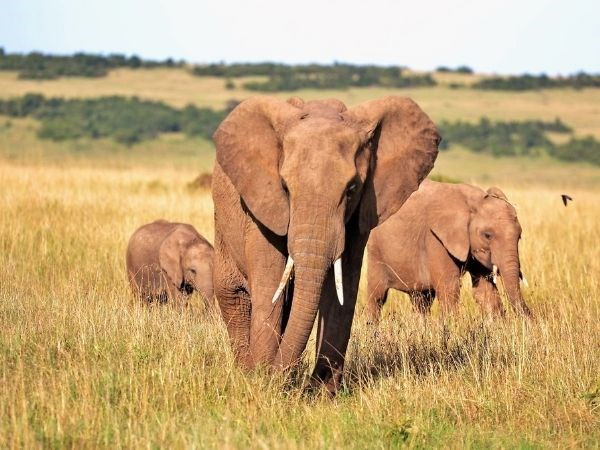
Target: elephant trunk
{"points": [[207, 291], [309, 278], [510, 272], [313, 248]]}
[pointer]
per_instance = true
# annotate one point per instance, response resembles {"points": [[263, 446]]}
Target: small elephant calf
{"points": [[167, 261]]}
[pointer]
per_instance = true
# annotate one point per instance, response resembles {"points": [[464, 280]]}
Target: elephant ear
{"points": [[170, 255], [449, 217], [248, 146], [405, 144], [496, 192], [296, 101]]}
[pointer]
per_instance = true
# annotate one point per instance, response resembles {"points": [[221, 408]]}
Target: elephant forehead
{"points": [[499, 209], [503, 222], [196, 251], [321, 135]]}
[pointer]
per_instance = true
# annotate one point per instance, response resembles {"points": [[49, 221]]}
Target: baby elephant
{"points": [[442, 231], [167, 261]]}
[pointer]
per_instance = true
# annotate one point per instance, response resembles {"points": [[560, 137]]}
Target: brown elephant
{"points": [[167, 261], [297, 187], [442, 231]]}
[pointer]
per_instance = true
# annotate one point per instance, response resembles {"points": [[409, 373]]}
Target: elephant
{"points": [[167, 261], [297, 187], [442, 231]]}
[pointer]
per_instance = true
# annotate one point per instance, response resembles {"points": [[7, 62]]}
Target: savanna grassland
{"points": [[81, 365]]}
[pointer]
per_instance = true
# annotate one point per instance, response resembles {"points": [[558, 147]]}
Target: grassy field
{"points": [[579, 109], [82, 366]]}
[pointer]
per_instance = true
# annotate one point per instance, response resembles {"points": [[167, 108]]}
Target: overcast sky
{"points": [[503, 36]]}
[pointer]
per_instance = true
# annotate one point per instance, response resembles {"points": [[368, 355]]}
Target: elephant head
{"points": [[483, 226], [317, 173], [187, 260]]}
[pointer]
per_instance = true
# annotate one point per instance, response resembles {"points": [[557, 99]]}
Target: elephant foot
{"points": [[326, 378]]}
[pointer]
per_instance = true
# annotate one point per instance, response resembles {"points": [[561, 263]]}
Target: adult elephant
{"points": [[442, 231], [297, 187]]}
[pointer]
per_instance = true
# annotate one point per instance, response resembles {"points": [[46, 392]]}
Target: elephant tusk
{"points": [[289, 265], [494, 274], [339, 285], [524, 280]]}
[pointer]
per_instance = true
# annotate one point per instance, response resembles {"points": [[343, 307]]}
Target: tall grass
{"points": [[81, 365]]}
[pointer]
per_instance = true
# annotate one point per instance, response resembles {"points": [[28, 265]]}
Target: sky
{"points": [[491, 36]]}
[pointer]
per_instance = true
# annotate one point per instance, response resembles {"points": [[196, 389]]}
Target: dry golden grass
{"points": [[579, 109], [81, 366]]}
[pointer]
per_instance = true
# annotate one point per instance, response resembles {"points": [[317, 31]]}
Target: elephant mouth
{"points": [[287, 275], [186, 288]]}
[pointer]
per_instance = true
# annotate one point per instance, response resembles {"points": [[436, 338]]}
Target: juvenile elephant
{"points": [[167, 261], [297, 187], [442, 231]]}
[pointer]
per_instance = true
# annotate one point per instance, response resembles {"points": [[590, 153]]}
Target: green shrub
{"points": [[282, 77], [36, 65], [530, 82], [127, 120], [527, 138], [586, 149]]}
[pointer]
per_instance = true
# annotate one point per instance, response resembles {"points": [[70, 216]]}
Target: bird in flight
{"points": [[566, 198]]}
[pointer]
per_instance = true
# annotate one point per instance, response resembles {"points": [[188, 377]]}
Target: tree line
{"points": [[524, 138], [534, 82], [126, 120], [280, 77], [283, 77], [131, 120], [40, 66]]}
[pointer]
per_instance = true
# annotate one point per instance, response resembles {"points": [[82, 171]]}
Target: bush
{"points": [[518, 138], [529, 82], [127, 120], [586, 149], [283, 77], [500, 138], [459, 69], [36, 65]]}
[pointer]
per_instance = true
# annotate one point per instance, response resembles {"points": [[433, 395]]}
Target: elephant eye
{"points": [[193, 271], [351, 188], [487, 235]]}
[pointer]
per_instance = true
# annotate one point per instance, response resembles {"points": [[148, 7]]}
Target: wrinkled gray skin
{"points": [[442, 231], [167, 261]]}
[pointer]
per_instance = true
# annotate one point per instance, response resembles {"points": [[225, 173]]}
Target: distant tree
{"points": [[135, 62], [36, 65], [464, 69], [127, 120], [532, 82]]}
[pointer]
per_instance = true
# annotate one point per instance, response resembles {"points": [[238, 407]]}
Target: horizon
{"points": [[502, 37], [304, 63]]}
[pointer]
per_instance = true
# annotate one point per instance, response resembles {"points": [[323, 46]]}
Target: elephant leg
{"points": [[335, 320], [234, 302], [487, 296], [266, 262], [377, 293], [176, 298], [448, 292], [422, 301]]}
